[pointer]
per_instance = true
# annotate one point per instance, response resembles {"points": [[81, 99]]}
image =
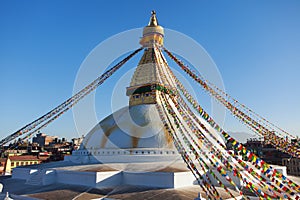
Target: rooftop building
{"points": [[42, 139]]}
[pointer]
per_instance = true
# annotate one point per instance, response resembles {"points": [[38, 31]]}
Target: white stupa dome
{"points": [[130, 127]]}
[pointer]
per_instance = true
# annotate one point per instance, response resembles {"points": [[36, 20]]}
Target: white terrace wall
{"points": [[76, 177], [151, 179]]}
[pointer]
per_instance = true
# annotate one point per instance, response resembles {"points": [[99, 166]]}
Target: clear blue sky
{"points": [[255, 44]]}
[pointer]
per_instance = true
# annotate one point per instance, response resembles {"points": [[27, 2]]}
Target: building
{"points": [[15, 161], [44, 156], [77, 142], [43, 140], [293, 165], [2, 165], [15, 152], [266, 151]]}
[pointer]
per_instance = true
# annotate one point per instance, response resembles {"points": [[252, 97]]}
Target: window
{"points": [[22, 163], [26, 163], [17, 163], [12, 164]]}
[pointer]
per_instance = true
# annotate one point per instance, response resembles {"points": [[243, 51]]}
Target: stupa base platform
{"points": [[112, 180], [157, 175]]}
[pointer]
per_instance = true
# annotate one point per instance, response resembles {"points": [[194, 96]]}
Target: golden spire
{"points": [[153, 20]]}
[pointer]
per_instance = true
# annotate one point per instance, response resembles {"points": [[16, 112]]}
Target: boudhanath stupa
{"points": [[136, 133], [130, 154]]}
